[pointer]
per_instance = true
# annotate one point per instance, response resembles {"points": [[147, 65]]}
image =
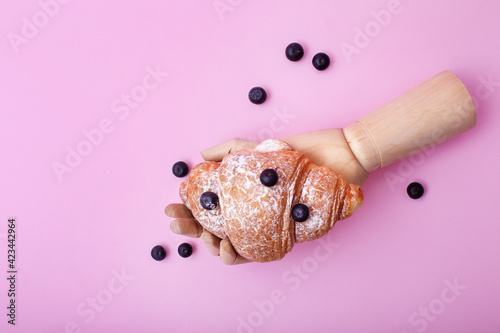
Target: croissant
{"points": [[267, 199]]}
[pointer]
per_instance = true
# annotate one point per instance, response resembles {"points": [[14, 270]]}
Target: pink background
{"points": [[390, 266]]}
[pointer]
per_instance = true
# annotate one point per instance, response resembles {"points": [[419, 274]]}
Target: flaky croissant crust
{"points": [[256, 218]]}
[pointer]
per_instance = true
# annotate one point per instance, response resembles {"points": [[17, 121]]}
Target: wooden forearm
{"points": [[430, 113]]}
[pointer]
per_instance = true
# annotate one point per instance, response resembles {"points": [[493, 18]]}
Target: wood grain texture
{"points": [[433, 112]]}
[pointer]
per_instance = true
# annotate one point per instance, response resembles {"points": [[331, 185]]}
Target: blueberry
{"points": [[269, 177], [180, 169], [415, 190], [321, 61], [294, 52], [300, 212], [257, 95], [209, 200], [185, 250], [158, 253]]}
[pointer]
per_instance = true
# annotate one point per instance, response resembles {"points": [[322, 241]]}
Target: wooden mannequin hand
{"points": [[428, 114], [329, 148], [185, 224], [325, 148]]}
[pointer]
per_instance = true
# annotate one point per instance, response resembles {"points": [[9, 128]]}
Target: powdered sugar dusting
{"points": [[255, 213], [272, 145]]}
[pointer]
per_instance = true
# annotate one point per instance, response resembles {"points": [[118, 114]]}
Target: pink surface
{"points": [[84, 238]]}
